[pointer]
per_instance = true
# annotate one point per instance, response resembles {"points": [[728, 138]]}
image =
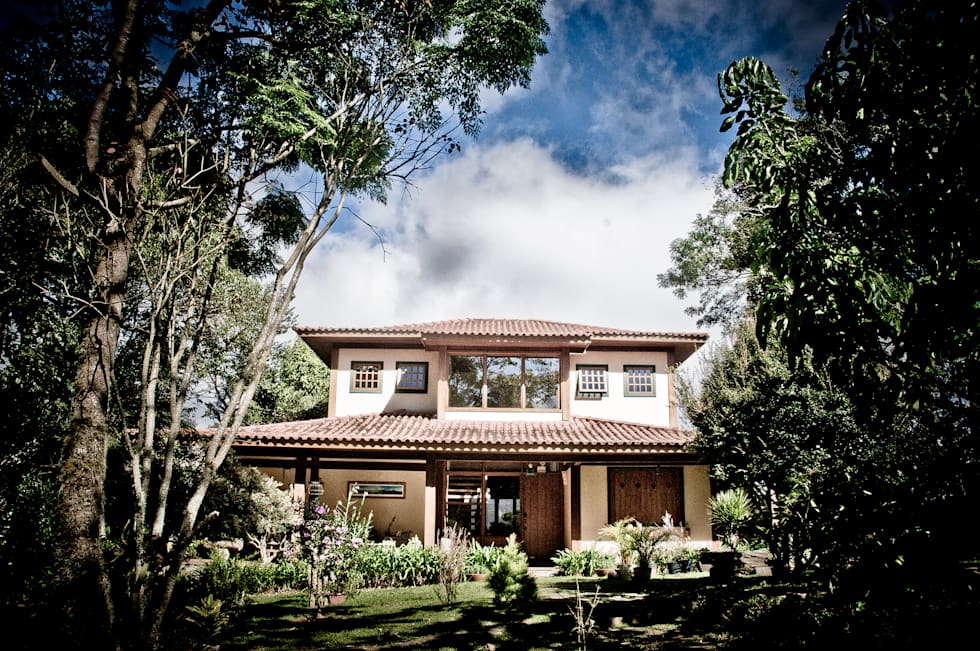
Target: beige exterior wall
{"points": [[697, 492], [400, 514], [594, 501], [614, 406], [516, 416], [653, 410], [595, 506], [353, 404]]}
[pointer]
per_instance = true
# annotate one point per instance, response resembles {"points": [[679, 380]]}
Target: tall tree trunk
{"points": [[82, 583]]}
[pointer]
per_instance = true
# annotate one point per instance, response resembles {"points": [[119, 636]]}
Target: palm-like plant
{"points": [[730, 513]]}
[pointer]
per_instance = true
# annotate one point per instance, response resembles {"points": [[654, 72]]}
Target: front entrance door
{"points": [[542, 521]]}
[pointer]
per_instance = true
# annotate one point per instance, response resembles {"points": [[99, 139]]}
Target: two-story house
{"points": [[550, 430]]}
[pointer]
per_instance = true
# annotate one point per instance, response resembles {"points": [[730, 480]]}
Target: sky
{"points": [[564, 206]]}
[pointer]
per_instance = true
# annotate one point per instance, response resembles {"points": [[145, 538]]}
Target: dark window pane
{"points": [[504, 382], [541, 378], [466, 381]]}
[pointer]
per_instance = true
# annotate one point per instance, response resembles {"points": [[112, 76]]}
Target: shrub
{"points": [[330, 540], [481, 559], [452, 559], [287, 573], [379, 566], [206, 621], [415, 564], [391, 566], [230, 580], [730, 513], [581, 563], [510, 582]]}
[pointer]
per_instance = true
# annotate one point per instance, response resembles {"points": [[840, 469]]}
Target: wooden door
{"points": [[542, 520], [646, 494]]}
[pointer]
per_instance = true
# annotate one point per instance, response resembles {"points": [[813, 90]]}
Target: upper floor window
{"points": [[503, 382], [592, 382], [365, 377], [413, 377], [639, 380]]}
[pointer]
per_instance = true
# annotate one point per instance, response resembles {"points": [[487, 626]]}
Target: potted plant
{"points": [[691, 558], [622, 532], [479, 561], [604, 564]]}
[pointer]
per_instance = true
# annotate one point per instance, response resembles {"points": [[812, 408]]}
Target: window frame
{"points": [[639, 393], [399, 366], [355, 369], [485, 376], [599, 394]]}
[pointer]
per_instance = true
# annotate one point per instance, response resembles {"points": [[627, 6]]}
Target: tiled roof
{"points": [[500, 328], [420, 433]]}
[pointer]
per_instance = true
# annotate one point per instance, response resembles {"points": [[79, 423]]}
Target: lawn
{"points": [[416, 618]]}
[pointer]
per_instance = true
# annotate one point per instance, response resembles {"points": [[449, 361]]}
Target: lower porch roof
{"points": [[423, 435]]}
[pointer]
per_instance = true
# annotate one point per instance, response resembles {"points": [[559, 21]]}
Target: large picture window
{"points": [[503, 382]]}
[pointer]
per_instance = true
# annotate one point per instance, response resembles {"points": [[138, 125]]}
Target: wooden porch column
{"points": [[435, 483], [576, 524]]}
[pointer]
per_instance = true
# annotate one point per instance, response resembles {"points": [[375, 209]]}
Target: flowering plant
{"points": [[330, 541]]}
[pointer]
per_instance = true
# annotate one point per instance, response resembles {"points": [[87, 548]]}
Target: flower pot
{"points": [[604, 571], [477, 576], [722, 565], [336, 599], [675, 567]]}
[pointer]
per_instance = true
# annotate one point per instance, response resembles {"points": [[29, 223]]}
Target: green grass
{"points": [[672, 613], [415, 618]]}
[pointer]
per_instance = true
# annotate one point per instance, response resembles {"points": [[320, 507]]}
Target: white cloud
{"points": [[506, 231]]}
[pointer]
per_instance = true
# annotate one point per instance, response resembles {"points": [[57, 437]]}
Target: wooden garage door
{"points": [[646, 494]]}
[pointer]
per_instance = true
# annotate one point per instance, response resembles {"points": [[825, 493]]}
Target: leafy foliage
{"points": [[730, 513], [395, 566], [790, 438], [146, 134], [480, 559], [863, 266], [513, 587], [295, 386], [583, 562], [329, 542]]}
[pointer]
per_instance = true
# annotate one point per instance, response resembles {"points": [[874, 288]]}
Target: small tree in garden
{"points": [[330, 541], [511, 584], [276, 517]]}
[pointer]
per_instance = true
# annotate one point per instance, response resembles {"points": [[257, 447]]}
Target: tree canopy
{"points": [[148, 143], [853, 233]]}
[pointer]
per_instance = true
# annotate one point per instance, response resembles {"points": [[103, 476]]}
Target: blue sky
{"points": [[565, 205]]}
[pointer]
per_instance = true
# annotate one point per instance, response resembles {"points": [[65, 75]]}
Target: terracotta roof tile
{"points": [[421, 432], [498, 328]]}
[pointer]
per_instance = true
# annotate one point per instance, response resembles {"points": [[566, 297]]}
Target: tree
{"points": [[863, 254], [787, 436], [295, 386], [160, 124], [714, 261]]}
